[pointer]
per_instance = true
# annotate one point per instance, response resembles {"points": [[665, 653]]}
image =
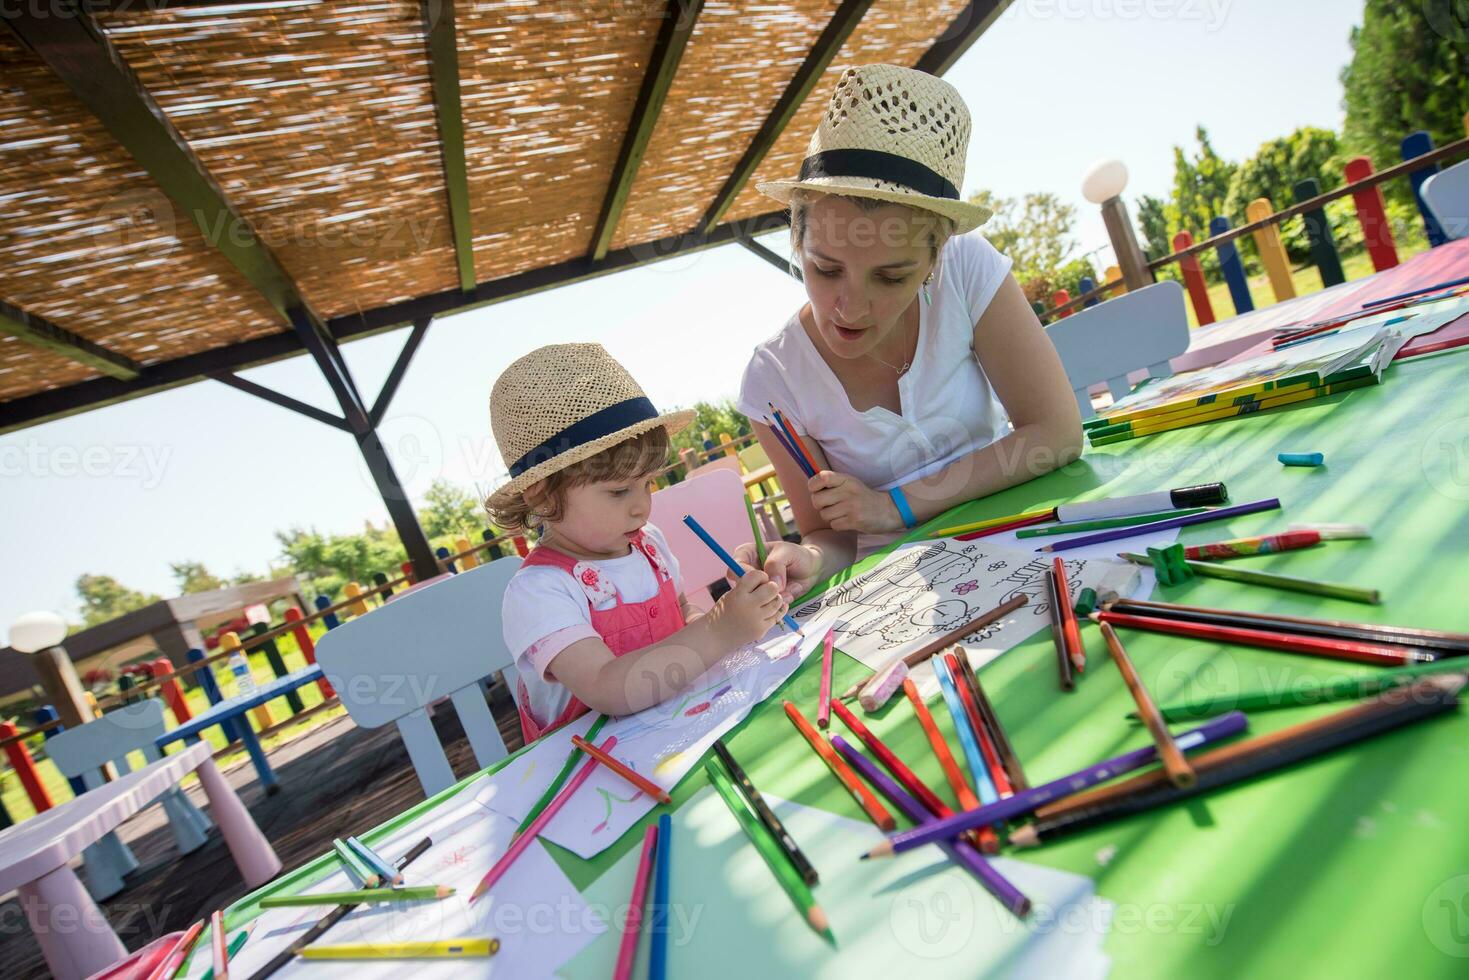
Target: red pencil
{"points": [[1069, 627], [989, 840], [1002, 528], [981, 732], [641, 782], [823, 700], [1367, 653]]}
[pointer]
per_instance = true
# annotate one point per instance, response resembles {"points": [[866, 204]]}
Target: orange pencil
{"points": [[221, 945], [1069, 628], [641, 782], [989, 841], [170, 963], [864, 796]]}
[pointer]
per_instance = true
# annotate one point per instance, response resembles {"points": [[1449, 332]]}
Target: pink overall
{"points": [[625, 627]]}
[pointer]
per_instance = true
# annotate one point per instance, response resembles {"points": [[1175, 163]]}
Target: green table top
{"points": [[1354, 863]]}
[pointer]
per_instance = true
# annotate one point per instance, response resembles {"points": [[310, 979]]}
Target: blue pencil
{"points": [[658, 954], [389, 873], [783, 434], [729, 562], [982, 781], [1416, 292]]}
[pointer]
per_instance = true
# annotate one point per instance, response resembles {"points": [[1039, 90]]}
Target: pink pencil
{"points": [[823, 704], [628, 951], [539, 823]]}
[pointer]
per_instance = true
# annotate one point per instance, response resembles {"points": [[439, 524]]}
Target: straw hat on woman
{"points": [[917, 373]]}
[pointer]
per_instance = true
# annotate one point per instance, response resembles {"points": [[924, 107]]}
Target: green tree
{"points": [[192, 576], [1035, 232], [713, 418], [1069, 276], [1272, 173], [450, 511], [1152, 218], [327, 562], [104, 597], [1409, 71], [1200, 187]]}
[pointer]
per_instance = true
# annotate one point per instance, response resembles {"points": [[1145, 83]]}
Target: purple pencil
{"points": [[961, 851], [1217, 514], [1024, 802]]}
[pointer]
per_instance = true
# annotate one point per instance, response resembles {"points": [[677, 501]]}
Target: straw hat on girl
{"points": [[564, 403], [893, 134]]}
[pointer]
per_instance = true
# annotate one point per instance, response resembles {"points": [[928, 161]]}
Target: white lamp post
{"points": [[1104, 184], [40, 634]]}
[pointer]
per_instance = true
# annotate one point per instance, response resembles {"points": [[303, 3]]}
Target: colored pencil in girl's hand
{"points": [[636, 779], [735, 567]]}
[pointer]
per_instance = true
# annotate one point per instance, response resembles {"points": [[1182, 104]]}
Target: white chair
{"points": [[438, 641], [716, 499], [81, 752], [1447, 195], [1140, 329]]}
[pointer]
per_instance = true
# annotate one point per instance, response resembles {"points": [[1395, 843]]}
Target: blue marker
{"points": [[729, 562]]}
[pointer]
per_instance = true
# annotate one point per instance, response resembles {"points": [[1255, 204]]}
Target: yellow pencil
{"points": [[958, 529], [444, 948]]}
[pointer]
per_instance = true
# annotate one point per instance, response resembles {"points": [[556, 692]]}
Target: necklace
{"points": [[899, 371]]}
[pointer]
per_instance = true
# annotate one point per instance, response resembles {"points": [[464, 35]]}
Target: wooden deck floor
{"points": [[336, 780]]}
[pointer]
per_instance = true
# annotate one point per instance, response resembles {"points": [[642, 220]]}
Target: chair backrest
{"points": [[1447, 195], [726, 462], [753, 456], [438, 641], [717, 501], [1139, 329], [84, 750]]}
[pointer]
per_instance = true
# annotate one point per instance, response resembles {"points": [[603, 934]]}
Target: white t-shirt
{"points": [[948, 406], [545, 610]]}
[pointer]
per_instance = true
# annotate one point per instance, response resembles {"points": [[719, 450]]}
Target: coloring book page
{"points": [[662, 742], [925, 589]]}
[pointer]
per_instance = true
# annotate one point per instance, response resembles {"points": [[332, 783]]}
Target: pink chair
{"points": [[731, 463], [716, 499]]}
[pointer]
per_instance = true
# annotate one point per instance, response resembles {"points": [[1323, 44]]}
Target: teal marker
{"points": [[1302, 459]]}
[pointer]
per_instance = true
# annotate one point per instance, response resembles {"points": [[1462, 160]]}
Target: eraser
{"points": [[877, 691], [1302, 459]]}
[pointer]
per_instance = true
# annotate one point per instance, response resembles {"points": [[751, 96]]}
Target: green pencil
{"points": [[1313, 692], [560, 780], [236, 944], [1104, 523], [755, 530], [356, 867], [418, 893], [774, 857], [1249, 576]]}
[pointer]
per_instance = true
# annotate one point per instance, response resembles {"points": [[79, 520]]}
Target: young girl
{"points": [[595, 617]]}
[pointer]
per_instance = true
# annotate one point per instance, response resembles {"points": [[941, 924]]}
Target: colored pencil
{"points": [[978, 771], [788, 439], [170, 963], [790, 449], [1366, 653], [1103, 523], [1217, 514], [1233, 763], [958, 529], [662, 892], [765, 844], [795, 438], [1446, 284], [869, 803], [1011, 762], [518, 846], [1069, 628], [766, 815], [627, 949], [1250, 576], [987, 751], [355, 866], [823, 697], [989, 841], [1440, 641], [219, 942], [958, 849], [336, 915], [572, 758], [626, 772], [1180, 773], [1030, 800], [735, 567], [418, 893], [1311, 691], [947, 640], [1058, 631], [755, 530], [385, 871], [990, 532], [1266, 544], [237, 943], [439, 949]]}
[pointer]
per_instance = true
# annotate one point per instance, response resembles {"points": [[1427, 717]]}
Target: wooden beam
{"points": [[276, 398], [761, 252], [668, 48], [44, 334], [443, 67], [822, 53], [400, 367], [976, 18]]}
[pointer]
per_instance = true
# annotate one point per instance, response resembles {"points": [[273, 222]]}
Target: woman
{"points": [[917, 372]]}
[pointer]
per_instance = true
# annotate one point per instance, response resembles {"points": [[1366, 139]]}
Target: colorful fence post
{"points": [[1372, 215], [1272, 252], [1231, 267], [125, 685], [230, 642], [307, 646], [495, 550], [407, 569], [468, 560], [1114, 274], [92, 703], [1193, 279], [25, 769], [329, 620], [1059, 298], [46, 714], [210, 683], [354, 591], [1038, 307], [521, 547], [1415, 145], [172, 691], [442, 554], [1087, 285], [277, 666], [5, 819], [709, 452], [726, 441], [380, 580], [1318, 233]]}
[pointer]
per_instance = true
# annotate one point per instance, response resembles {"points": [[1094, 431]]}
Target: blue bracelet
{"points": [[904, 511]]}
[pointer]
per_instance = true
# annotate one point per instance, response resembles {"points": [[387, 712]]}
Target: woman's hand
{"points": [[793, 568], [846, 504]]}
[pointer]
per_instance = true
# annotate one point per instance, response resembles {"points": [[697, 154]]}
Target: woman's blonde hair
{"points": [[935, 227], [642, 455]]}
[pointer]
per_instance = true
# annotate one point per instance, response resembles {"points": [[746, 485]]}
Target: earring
{"points": [[927, 299]]}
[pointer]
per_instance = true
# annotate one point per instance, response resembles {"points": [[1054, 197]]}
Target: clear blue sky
{"points": [[207, 473]]}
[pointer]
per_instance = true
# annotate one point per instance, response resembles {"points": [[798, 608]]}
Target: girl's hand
{"points": [[792, 568], [846, 504], [747, 611]]}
